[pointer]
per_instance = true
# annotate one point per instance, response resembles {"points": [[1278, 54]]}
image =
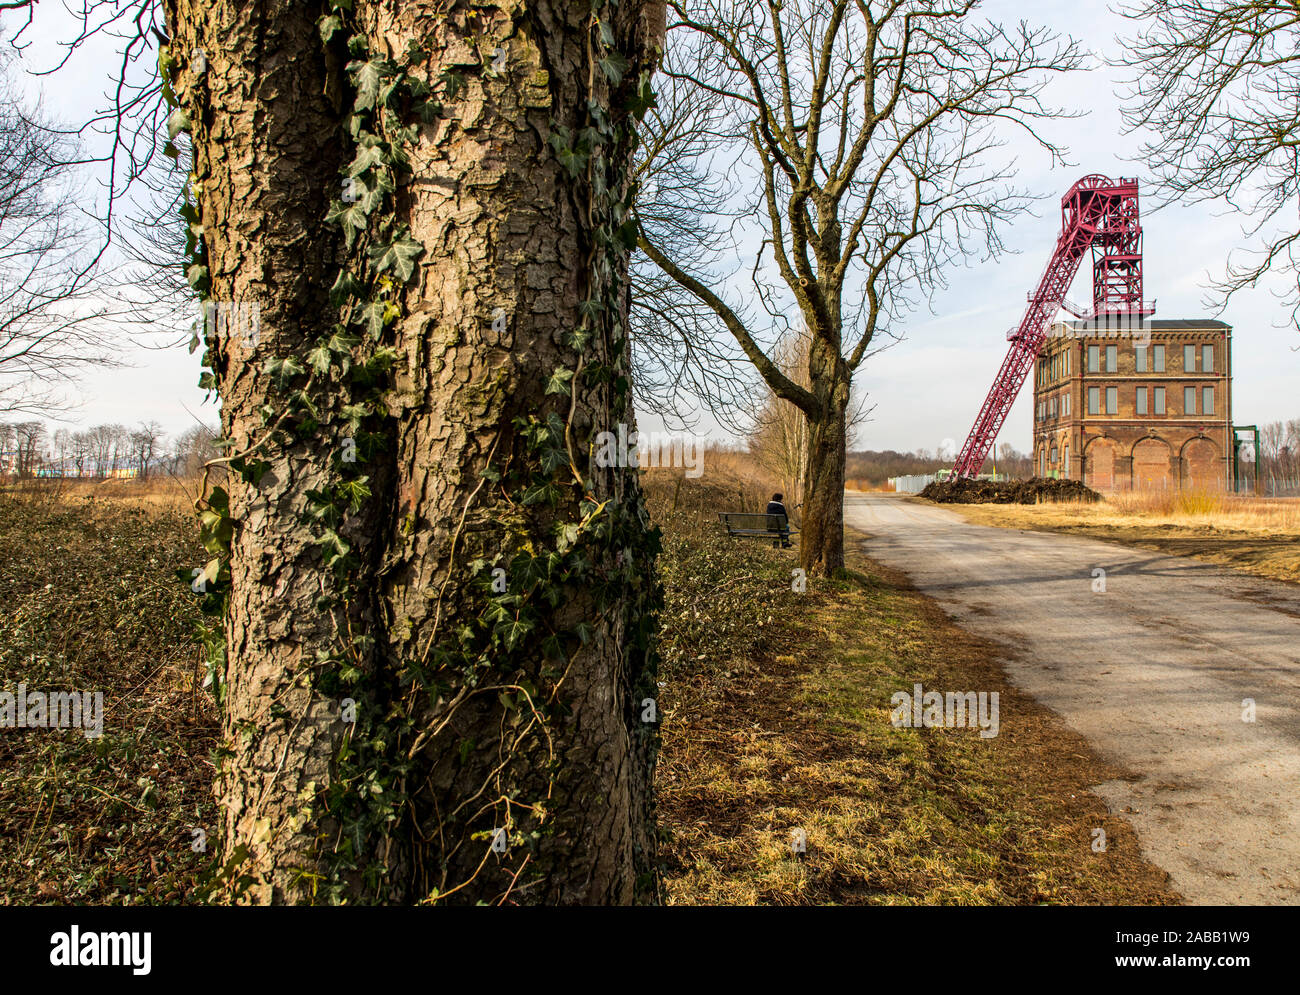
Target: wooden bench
{"points": [[762, 526]]}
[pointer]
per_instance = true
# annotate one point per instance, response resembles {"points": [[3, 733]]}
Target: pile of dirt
{"points": [[1033, 491]]}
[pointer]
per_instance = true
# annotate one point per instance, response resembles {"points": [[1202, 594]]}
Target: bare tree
{"points": [[778, 439], [1014, 463], [145, 446], [867, 130], [681, 362], [1218, 83], [51, 319], [30, 445], [8, 440], [104, 445], [193, 448]]}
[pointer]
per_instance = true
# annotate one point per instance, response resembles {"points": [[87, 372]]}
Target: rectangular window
{"points": [[1207, 400], [1207, 359], [1065, 462], [1189, 359], [1141, 400], [1094, 400], [1094, 359], [1067, 363], [1053, 453], [1112, 358], [1112, 400], [1189, 400], [1159, 400], [1158, 358], [1067, 404], [1140, 358]]}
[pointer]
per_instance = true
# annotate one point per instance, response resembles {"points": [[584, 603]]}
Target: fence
{"points": [[917, 482]]}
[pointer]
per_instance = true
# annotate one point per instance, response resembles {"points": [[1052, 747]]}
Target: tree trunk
{"points": [[463, 710], [821, 536]]}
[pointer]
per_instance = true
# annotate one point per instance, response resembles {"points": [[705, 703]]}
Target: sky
{"points": [[927, 388]]}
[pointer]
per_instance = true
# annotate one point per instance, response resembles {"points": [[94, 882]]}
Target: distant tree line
{"points": [[876, 467], [31, 449], [1279, 451]]}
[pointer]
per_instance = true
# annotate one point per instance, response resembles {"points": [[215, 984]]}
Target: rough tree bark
{"points": [[518, 771]]}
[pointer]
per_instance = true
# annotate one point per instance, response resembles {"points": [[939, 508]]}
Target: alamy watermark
{"points": [[102, 949], [23, 709], [1107, 325], [231, 320], [954, 710], [649, 450]]}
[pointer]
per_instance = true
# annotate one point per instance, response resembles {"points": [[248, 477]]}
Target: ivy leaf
{"points": [[353, 413], [209, 575], [177, 122], [574, 162], [454, 83], [345, 286], [513, 631], [543, 493], [319, 359], [372, 315], [334, 545], [197, 275], [399, 256], [626, 235], [369, 155], [559, 382], [340, 340], [356, 492], [643, 100], [568, 536], [367, 77], [614, 65], [350, 217], [282, 369], [328, 24]]}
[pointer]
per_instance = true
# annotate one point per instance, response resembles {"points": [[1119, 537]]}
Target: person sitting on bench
{"points": [[775, 507]]}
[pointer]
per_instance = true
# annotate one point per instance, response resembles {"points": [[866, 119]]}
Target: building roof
{"points": [[1175, 323], [1154, 324]]}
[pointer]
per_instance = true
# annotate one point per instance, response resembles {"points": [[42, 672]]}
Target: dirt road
{"points": [[1153, 670]]}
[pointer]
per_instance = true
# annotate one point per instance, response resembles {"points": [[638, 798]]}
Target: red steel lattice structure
{"points": [[1097, 213]]}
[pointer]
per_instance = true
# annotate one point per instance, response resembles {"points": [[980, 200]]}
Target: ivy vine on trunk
{"points": [[438, 667]]}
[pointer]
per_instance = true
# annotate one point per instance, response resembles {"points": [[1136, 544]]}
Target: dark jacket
{"points": [[776, 508]]}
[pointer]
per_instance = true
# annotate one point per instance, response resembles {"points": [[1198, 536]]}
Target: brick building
{"points": [[1135, 410]]}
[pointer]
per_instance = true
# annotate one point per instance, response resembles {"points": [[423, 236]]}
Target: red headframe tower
{"points": [[1097, 214]]}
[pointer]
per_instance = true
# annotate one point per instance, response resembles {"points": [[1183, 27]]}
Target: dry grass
{"points": [[1199, 507], [1260, 536], [158, 493]]}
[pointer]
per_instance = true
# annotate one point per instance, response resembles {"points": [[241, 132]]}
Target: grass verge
{"points": [[789, 741], [1253, 535]]}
